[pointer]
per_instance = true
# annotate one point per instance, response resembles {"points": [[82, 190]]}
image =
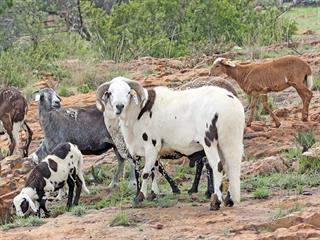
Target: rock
{"points": [[282, 112], [264, 166], [157, 226]]}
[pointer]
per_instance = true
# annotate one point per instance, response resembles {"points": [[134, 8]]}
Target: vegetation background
{"points": [[37, 35]]}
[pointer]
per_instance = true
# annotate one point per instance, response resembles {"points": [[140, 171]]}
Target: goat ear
{"points": [[228, 62], [134, 94]]}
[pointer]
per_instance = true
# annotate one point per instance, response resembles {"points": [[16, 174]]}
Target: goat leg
{"points": [[44, 207], [78, 190]]}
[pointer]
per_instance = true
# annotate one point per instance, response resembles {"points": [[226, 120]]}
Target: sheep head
{"points": [[116, 95], [220, 66], [48, 98], [23, 205]]}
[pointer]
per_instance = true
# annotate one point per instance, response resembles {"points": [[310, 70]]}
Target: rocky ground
{"points": [[251, 219]]}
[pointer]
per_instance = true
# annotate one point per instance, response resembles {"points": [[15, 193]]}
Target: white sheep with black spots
{"points": [[161, 120], [63, 165]]}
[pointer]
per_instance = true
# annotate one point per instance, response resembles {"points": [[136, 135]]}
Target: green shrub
{"points": [[64, 92], [309, 164], [84, 88]]}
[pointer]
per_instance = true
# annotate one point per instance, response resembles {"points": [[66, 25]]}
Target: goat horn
{"points": [[135, 85], [102, 89]]}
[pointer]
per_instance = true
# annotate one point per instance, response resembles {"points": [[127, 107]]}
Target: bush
{"points": [[171, 28], [23, 222]]}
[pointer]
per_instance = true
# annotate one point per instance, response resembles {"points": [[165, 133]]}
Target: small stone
{"points": [[157, 226]]}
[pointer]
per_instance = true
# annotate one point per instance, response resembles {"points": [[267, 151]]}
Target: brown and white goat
{"points": [[257, 79], [13, 111]]}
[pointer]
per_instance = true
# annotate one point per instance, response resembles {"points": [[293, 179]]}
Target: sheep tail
{"points": [[80, 165], [309, 81]]}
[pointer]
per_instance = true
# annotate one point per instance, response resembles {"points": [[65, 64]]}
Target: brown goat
{"points": [[257, 79], [13, 110]]}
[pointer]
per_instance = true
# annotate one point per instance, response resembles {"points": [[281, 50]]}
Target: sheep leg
{"points": [[154, 187], [216, 165], [29, 134], [173, 185], [136, 163], [132, 174], [43, 206], [78, 190], [12, 145], [150, 160], [252, 107], [306, 96], [195, 184], [264, 99], [210, 187], [16, 137], [70, 183], [119, 172]]}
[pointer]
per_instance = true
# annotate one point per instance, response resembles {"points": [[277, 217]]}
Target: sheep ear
{"points": [[31, 203], [137, 87], [134, 94], [228, 63], [100, 105], [101, 91]]}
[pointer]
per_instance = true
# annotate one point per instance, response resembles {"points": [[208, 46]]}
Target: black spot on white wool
{"points": [[62, 150], [145, 137], [53, 165]]}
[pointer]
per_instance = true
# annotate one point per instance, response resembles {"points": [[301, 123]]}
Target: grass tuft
{"points": [[23, 222], [121, 218], [261, 193]]}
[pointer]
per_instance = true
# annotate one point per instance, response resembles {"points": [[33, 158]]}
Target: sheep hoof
{"points": [[215, 203], [139, 198], [208, 194], [176, 190], [152, 196], [228, 201], [191, 190], [132, 184]]}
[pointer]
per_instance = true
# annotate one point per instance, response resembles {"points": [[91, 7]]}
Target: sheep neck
{"points": [[240, 74]]}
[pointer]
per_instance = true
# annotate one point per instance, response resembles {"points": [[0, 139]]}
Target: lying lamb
{"points": [[63, 165]]}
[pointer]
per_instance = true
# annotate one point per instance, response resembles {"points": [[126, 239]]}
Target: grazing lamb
{"points": [[257, 79], [83, 126], [13, 111], [64, 165], [161, 120]]}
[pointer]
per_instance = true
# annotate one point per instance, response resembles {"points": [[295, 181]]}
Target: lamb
{"points": [[160, 120], [83, 126], [64, 165], [13, 111], [257, 79]]}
